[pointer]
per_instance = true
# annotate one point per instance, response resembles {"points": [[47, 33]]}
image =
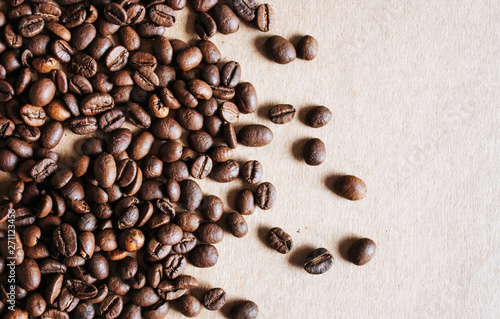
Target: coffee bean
{"points": [[190, 119], [84, 311], [251, 172], [246, 97], [318, 261], [226, 20], [149, 30], [203, 256], [189, 59], [20, 147], [205, 26], [162, 15], [265, 17], [244, 310], [280, 50], [142, 59], [237, 225], [42, 169], [48, 11], [189, 306], [79, 85], [191, 194], [223, 93], [6, 127], [318, 116], [99, 47], [141, 145], [245, 202], [115, 14], [129, 38], [362, 251], [98, 267], [146, 78], [83, 125], [51, 134], [30, 25], [225, 172], [231, 74], [265, 195], [255, 135], [58, 30], [228, 111], [245, 9], [82, 36], [350, 187], [117, 58], [279, 240], [210, 233], [35, 304], [201, 167], [111, 306], [314, 152], [111, 120], [282, 113], [65, 240], [74, 15], [214, 299], [135, 13], [28, 274], [307, 48], [169, 234], [174, 266], [200, 141], [178, 171], [166, 128], [41, 92], [137, 115]]}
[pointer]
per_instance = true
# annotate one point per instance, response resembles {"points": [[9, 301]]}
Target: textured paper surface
{"points": [[414, 89]]}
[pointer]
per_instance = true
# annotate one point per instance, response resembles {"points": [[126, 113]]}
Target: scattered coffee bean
{"points": [[244, 310], [279, 240], [318, 261], [307, 48], [318, 116], [350, 187], [362, 251], [214, 299], [282, 113], [280, 50], [265, 17], [314, 152], [255, 135], [265, 195]]}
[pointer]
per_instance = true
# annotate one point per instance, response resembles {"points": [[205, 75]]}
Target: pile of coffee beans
{"points": [[110, 235]]}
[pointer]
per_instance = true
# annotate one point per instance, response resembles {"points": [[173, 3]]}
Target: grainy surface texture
{"points": [[414, 90]]}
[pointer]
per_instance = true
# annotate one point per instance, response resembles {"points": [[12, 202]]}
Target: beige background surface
{"points": [[414, 88]]}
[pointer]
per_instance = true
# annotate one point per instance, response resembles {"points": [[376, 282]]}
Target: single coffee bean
{"points": [[135, 13], [65, 240], [280, 50], [58, 30], [115, 14], [35, 304], [245, 202], [137, 115], [99, 47], [51, 134], [98, 267], [142, 59], [111, 306], [318, 261], [265, 17], [47, 11], [117, 58], [225, 172], [279, 240], [205, 26], [111, 120], [362, 251], [223, 93], [116, 285], [82, 36], [162, 14], [43, 169], [246, 97], [190, 119], [187, 243], [166, 128], [245, 9], [149, 30], [282, 113], [189, 306], [191, 194], [131, 239], [214, 299], [314, 152], [231, 74], [33, 115], [74, 15], [79, 85], [83, 125], [210, 233], [84, 311], [237, 224], [174, 266], [255, 135], [22, 81], [41, 92], [229, 112], [28, 274], [6, 127], [169, 234], [265, 195], [252, 172], [307, 48], [30, 25], [226, 20], [84, 65], [212, 208], [203, 5], [244, 310], [350, 187], [141, 145], [189, 59], [146, 78], [21, 148], [129, 38], [203, 256], [201, 167], [105, 170], [318, 116]]}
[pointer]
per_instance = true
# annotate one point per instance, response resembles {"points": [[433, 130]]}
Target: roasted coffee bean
{"points": [[212, 208], [245, 9], [307, 48], [189, 59], [156, 250], [11, 61], [162, 50], [203, 5], [166, 128], [200, 141], [82, 36], [189, 306], [244, 310], [43, 169], [101, 82], [35, 304], [96, 103], [223, 93], [58, 30], [141, 145], [251, 172], [350, 187], [214, 299], [24, 216], [115, 14], [188, 221], [122, 78], [362, 251], [127, 268], [60, 79], [28, 274], [140, 59], [149, 30], [282, 113], [203, 256], [111, 306], [205, 26], [20, 147], [210, 233], [74, 15], [201, 167], [79, 85], [99, 47], [280, 50], [62, 51], [265, 17], [225, 172], [37, 46], [22, 81], [138, 116], [318, 261], [41, 92], [318, 116], [162, 14], [190, 119], [200, 89], [245, 202], [174, 266], [11, 38], [6, 127], [84, 65], [246, 97], [117, 58], [129, 38], [126, 172], [237, 224], [54, 287], [131, 239], [98, 267], [210, 74], [83, 125], [169, 234], [226, 20], [105, 27], [213, 126], [31, 235], [51, 134], [228, 111], [187, 243], [111, 120], [65, 240], [83, 311], [191, 194], [265, 195], [279, 240], [105, 170], [221, 153], [181, 92], [106, 240], [229, 135], [157, 107], [116, 285], [93, 147], [314, 152], [33, 115], [168, 99], [48, 11], [146, 78], [255, 135], [231, 74], [135, 13]]}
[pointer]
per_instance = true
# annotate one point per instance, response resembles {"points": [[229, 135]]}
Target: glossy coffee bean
{"points": [[245, 9], [314, 152], [350, 187], [214, 299], [244, 310], [129, 38], [280, 50], [162, 15], [226, 20], [149, 30], [237, 224], [210, 233], [318, 116], [265, 195], [189, 306], [35, 304], [203, 256], [191, 194], [279, 240], [189, 59], [117, 58], [225, 172], [111, 306], [246, 97], [65, 240], [212, 208], [28, 274], [362, 251], [282, 113], [131, 239], [41, 92], [245, 202], [318, 261], [307, 48], [255, 135], [252, 172]]}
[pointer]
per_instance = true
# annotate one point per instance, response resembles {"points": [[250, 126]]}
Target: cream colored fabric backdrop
{"points": [[414, 88]]}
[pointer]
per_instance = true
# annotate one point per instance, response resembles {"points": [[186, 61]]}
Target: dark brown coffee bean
{"points": [[225, 172], [166, 128], [116, 285], [244, 310], [37, 46], [255, 135], [221, 154], [362, 251], [6, 127], [191, 194], [99, 47], [83, 125], [350, 187], [117, 58], [174, 266], [210, 233], [60, 79], [205, 26], [65, 240], [245, 9], [203, 256], [279, 240], [101, 82], [189, 59], [237, 224], [73, 16], [228, 111], [115, 14], [51, 134], [28, 274], [83, 311], [35, 304], [22, 81], [318, 116], [58, 30], [265, 195], [141, 145], [24, 216], [318, 261], [14, 194], [282, 113], [246, 97], [152, 167], [31, 235], [280, 50], [162, 14], [149, 30], [188, 221], [201, 167], [189, 306], [251, 172], [168, 291], [162, 50], [169, 234], [187, 243], [79, 85], [84, 65], [137, 115], [20, 147], [41, 92], [223, 93], [189, 119], [111, 120], [203, 5], [200, 141], [135, 13], [131, 239], [48, 11], [156, 250], [314, 152], [129, 38], [245, 202], [98, 267], [111, 306], [142, 59], [265, 17], [307, 48], [146, 78], [43, 169], [226, 20], [213, 126], [231, 74], [96, 103], [229, 135], [82, 36], [214, 299]]}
